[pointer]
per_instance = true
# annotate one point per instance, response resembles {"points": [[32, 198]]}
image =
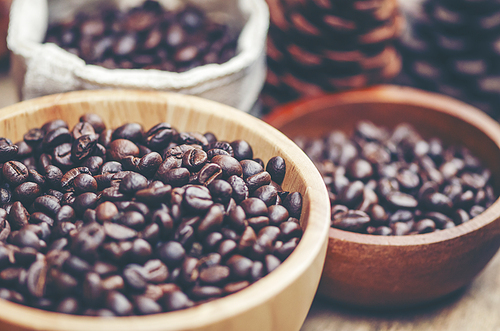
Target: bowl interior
{"points": [[188, 113], [432, 115]]}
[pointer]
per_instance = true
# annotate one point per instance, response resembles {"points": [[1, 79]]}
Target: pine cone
{"points": [[318, 46]]}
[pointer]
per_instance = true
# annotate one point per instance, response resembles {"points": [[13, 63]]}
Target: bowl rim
{"points": [[410, 96], [312, 244]]}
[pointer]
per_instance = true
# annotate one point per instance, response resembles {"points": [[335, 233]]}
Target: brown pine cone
{"points": [[317, 46]]}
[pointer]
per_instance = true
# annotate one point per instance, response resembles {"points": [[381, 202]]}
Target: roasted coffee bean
{"points": [[34, 136], [399, 183], [23, 149], [132, 183], [84, 183], [83, 211], [250, 168], [18, 216], [88, 239], [81, 129], [209, 173], [194, 159], [176, 300], [240, 266], [55, 138], [155, 271], [197, 198], [118, 232], [220, 190], [214, 275], [118, 303], [83, 147], [293, 203], [146, 306], [27, 192], [176, 177], [95, 120], [271, 263], [254, 207], [15, 173], [212, 221], [257, 271], [85, 201], [137, 31], [242, 150], [149, 163], [69, 305], [226, 248], [240, 188], [7, 150], [65, 214], [351, 220], [171, 253], [120, 148], [130, 131], [229, 165], [266, 193]]}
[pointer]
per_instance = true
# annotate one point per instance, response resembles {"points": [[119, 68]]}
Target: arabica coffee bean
{"points": [[148, 37], [107, 222], [384, 182]]}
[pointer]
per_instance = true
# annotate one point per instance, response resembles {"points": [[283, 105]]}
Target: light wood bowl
{"points": [[393, 272], [279, 301]]}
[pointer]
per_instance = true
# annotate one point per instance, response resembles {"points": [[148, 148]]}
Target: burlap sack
{"points": [[41, 69]]}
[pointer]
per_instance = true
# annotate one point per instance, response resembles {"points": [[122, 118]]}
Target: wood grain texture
{"points": [[386, 272], [271, 303], [474, 308]]}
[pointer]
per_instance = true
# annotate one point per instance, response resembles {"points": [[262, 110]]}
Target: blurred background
{"points": [[322, 46]]}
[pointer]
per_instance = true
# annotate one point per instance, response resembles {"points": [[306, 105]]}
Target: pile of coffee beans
{"points": [[146, 37], [104, 222], [317, 46], [386, 182], [453, 47]]}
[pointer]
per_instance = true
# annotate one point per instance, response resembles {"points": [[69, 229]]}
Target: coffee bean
{"points": [[88, 239], [15, 173], [351, 220], [197, 198], [34, 136], [176, 300], [85, 201], [84, 211], [118, 303], [293, 203], [214, 275], [55, 138], [250, 168], [83, 147], [18, 216], [95, 120], [242, 150], [171, 253], [404, 184], [120, 148]]}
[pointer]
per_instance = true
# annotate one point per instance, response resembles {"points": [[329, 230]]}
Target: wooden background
{"points": [[475, 308]]}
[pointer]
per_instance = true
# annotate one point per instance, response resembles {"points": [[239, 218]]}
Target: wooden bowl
{"points": [[279, 301], [391, 272]]}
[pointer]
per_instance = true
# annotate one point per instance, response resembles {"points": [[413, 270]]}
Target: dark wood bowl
{"points": [[392, 272]]}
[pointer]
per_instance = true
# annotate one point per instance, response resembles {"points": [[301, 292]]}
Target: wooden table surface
{"points": [[475, 308]]}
